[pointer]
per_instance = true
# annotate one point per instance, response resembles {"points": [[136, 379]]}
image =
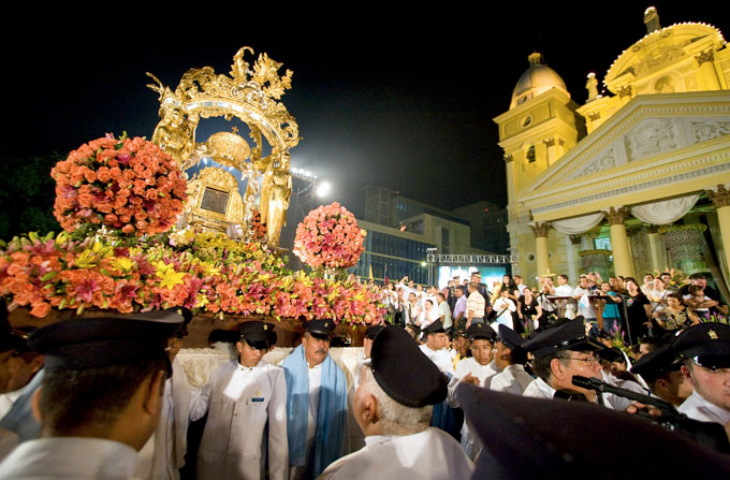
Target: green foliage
{"points": [[27, 194]]}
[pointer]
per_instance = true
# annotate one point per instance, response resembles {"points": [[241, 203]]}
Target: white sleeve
{"points": [[199, 401], [278, 441]]}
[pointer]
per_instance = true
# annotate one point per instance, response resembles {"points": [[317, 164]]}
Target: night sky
{"points": [[404, 101]]}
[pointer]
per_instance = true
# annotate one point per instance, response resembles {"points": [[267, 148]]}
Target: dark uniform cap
{"points": [[187, 314], [707, 344], [227, 336], [509, 337], [256, 333], [108, 340], [435, 327], [611, 355], [523, 438], [663, 359], [320, 327], [404, 372], [9, 339], [459, 333], [373, 331], [481, 330], [569, 336]]}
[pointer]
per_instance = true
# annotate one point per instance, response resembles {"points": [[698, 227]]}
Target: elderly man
{"points": [[705, 350], [316, 402], [245, 398], [561, 353], [393, 407], [101, 396]]}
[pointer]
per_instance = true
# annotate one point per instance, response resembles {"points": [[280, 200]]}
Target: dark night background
{"points": [[400, 100]]}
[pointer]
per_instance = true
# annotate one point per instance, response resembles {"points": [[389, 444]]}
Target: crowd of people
{"points": [[107, 398]]}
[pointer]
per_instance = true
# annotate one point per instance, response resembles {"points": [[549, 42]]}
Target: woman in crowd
{"points": [[675, 316], [611, 313], [658, 295], [638, 311], [529, 312], [504, 307]]}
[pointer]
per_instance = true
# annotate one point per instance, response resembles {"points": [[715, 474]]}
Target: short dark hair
{"points": [[697, 276], [71, 398], [541, 365]]}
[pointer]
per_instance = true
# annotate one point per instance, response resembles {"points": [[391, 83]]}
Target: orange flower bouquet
{"points": [[128, 185]]}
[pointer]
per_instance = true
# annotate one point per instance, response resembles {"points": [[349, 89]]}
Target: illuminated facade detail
{"points": [[660, 131]]}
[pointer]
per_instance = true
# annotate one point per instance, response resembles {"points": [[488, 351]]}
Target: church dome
{"points": [[536, 80]]}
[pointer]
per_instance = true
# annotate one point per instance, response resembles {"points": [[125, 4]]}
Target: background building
{"points": [[650, 153]]}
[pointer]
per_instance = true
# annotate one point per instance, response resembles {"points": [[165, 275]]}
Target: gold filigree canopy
{"points": [[251, 93]]}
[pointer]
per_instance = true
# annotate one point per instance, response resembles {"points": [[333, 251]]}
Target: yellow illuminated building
{"points": [[650, 153]]}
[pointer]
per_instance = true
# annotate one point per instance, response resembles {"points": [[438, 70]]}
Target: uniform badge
{"points": [[712, 335]]}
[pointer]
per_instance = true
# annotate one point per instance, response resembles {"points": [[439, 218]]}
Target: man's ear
{"points": [[557, 368], [35, 404], [153, 389], [687, 374], [370, 414]]}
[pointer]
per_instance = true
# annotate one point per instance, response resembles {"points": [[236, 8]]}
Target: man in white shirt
{"points": [[510, 358], [705, 350], [316, 403], [559, 354], [101, 396], [435, 347], [393, 406], [444, 312], [481, 365], [245, 398]]}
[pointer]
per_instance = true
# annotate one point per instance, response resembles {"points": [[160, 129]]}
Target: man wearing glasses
{"points": [[559, 354], [705, 350]]}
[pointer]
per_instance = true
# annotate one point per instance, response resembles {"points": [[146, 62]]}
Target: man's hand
{"points": [[471, 379]]}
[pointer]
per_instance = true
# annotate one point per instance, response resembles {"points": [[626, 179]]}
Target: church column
{"points": [[622, 263], [721, 198], [574, 247], [541, 229], [708, 74], [656, 248]]}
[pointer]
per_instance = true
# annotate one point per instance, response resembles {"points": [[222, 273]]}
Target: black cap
{"points": [[481, 330], [373, 331], [509, 337], [9, 338], [459, 333], [320, 327], [569, 336], [524, 438], [108, 340], [227, 336], [663, 359], [612, 354], [435, 327], [404, 372], [187, 314], [707, 344], [256, 333]]}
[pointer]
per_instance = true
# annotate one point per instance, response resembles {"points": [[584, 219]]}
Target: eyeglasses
{"points": [[590, 361]]}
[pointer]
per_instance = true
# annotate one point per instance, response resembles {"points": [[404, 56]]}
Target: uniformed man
{"points": [[559, 354], [21, 373], [481, 365], [393, 407], [705, 350], [164, 454], [316, 403], [101, 396], [242, 398], [510, 358], [357, 440], [435, 347], [661, 370]]}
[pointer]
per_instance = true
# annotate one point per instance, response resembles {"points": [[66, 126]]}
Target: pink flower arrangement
{"points": [[329, 237], [124, 184]]}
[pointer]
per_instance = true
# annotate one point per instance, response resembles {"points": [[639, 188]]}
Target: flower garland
{"points": [[329, 237], [124, 184], [206, 272]]}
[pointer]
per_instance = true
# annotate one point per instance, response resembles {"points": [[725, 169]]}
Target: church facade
{"points": [[644, 169]]}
